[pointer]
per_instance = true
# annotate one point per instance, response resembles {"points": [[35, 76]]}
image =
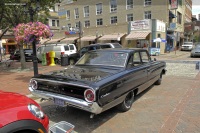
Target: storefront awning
{"points": [[88, 38], [170, 36], [112, 36], [69, 39], [137, 35]]}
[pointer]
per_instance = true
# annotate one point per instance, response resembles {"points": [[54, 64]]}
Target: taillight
{"points": [[89, 95], [33, 84], [62, 53]]}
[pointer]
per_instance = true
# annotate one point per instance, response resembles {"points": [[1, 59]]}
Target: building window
{"points": [[53, 23], [179, 17], [86, 11], [113, 20], [100, 21], [58, 24], [99, 8], [87, 23], [77, 24], [129, 4], [76, 13], [113, 5], [147, 2], [147, 15], [68, 15], [129, 17], [69, 26]]}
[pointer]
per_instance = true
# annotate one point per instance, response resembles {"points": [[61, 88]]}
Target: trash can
{"points": [[64, 59]]}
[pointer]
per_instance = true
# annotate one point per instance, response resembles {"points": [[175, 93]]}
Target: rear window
{"points": [[71, 47], [105, 46], [188, 43], [28, 51], [66, 48]]}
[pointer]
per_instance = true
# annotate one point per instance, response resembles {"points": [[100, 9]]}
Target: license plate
{"points": [[59, 102]]}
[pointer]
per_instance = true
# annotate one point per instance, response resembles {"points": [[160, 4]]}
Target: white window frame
{"points": [[113, 6], [87, 23], [147, 15], [86, 12], [113, 20], [98, 21], [129, 4], [147, 2], [68, 15], [128, 16], [99, 9], [76, 13]]}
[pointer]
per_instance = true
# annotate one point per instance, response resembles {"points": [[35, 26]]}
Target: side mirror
{"points": [[154, 59]]}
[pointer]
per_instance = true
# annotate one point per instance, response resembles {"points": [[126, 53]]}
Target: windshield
{"points": [[104, 58]]}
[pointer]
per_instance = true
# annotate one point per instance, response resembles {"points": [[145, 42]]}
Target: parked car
{"points": [[195, 51], [75, 57], [59, 49], [187, 46], [20, 114], [100, 80], [28, 53]]}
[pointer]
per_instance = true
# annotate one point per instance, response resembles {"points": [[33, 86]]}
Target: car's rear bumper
{"points": [[92, 107], [195, 54]]}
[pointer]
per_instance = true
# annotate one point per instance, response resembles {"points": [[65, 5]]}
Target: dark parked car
{"points": [[20, 114], [75, 57], [195, 51], [27, 52], [100, 80]]}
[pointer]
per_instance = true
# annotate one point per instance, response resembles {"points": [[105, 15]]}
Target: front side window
{"points": [[129, 4], [129, 17], [113, 5], [147, 2], [99, 8], [100, 21], [86, 11], [87, 23], [147, 15], [144, 57], [113, 20], [76, 13], [68, 15]]}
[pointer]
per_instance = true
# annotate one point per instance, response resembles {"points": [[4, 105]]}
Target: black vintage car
{"points": [[28, 53], [100, 80]]}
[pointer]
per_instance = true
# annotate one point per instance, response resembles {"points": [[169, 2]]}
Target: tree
{"points": [[12, 12]]}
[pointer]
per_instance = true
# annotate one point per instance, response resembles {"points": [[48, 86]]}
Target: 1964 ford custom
{"points": [[100, 80]]}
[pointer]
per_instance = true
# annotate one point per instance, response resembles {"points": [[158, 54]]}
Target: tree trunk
{"points": [[22, 57]]}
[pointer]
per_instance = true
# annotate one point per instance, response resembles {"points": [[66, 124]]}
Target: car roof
{"points": [[119, 50]]}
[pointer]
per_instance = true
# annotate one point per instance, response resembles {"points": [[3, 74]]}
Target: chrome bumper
{"points": [[70, 101]]}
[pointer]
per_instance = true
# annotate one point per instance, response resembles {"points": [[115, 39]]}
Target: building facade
{"points": [[109, 21]]}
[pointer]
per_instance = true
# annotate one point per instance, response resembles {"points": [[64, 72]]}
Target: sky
{"points": [[195, 7]]}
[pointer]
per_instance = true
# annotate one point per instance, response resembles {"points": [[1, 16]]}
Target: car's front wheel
{"points": [[158, 82], [127, 103]]}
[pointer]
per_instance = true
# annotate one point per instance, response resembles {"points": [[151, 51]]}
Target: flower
{"points": [[26, 33]]}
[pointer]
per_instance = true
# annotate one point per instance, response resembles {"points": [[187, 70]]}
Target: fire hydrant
{"points": [[44, 61], [52, 56]]}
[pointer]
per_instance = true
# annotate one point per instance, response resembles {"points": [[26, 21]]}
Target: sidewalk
{"points": [[17, 80]]}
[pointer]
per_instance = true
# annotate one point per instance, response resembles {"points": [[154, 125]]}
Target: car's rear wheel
{"points": [[158, 82], [127, 103]]}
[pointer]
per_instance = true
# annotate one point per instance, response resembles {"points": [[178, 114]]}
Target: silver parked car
{"points": [[195, 51]]}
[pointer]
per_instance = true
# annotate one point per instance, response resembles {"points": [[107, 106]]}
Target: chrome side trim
{"points": [[70, 101]]}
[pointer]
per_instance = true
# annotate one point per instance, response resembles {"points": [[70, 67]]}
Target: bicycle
{"points": [[6, 63]]}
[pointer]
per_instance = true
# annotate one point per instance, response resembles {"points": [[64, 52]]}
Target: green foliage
{"points": [[12, 12]]}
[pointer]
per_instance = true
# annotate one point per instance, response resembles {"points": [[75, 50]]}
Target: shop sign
{"points": [[160, 26], [172, 26], [174, 4], [141, 25]]}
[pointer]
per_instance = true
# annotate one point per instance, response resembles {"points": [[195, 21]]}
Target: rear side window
{"points": [[71, 47], [116, 45], [66, 48]]}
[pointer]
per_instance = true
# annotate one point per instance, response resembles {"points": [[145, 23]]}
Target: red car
{"points": [[20, 114]]}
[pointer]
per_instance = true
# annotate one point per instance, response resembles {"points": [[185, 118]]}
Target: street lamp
{"points": [[32, 12]]}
